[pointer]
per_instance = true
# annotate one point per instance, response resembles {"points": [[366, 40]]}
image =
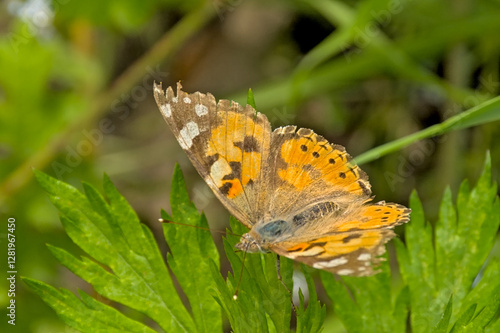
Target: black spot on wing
{"points": [[310, 246], [351, 237], [226, 188], [249, 144], [236, 171], [365, 189], [212, 159]]}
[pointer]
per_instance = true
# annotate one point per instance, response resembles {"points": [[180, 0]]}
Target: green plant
{"points": [[439, 266]]}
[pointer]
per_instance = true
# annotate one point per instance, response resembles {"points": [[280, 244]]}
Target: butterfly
{"points": [[301, 196]]}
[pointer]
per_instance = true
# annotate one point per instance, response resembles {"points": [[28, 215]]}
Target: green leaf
{"points": [[367, 304], [442, 325], [493, 328], [464, 319], [87, 314], [263, 303], [251, 99], [487, 314], [310, 319], [436, 264], [127, 266], [192, 252]]}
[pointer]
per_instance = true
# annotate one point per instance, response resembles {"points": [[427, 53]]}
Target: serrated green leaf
{"points": [[263, 303], [488, 285], [112, 235], [400, 312], [493, 328], [488, 313], [442, 325], [87, 314], [367, 304], [251, 99], [463, 238], [344, 305], [464, 319], [192, 251], [310, 319]]}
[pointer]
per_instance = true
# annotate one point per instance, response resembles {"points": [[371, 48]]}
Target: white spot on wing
{"points": [[332, 263], [364, 256], [159, 90], [346, 271], [166, 110], [175, 99], [187, 100], [200, 110], [188, 133], [219, 169]]}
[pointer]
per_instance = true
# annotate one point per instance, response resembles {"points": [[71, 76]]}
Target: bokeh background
{"points": [[76, 100]]}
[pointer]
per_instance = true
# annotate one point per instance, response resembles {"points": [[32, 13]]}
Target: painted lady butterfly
{"points": [[298, 194]]}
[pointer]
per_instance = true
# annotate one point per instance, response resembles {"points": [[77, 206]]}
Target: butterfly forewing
{"points": [[306, 168], [227, 144]]}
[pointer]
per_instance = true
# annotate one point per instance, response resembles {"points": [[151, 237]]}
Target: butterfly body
{"points": [[300, 196]]}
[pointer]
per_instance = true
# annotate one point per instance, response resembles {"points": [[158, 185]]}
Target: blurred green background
{"points": [[76, 100]]}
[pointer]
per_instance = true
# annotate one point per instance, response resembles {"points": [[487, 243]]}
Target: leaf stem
{"points": [[170, 42], [483, 113]]}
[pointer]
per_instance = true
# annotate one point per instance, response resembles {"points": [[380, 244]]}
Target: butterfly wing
{"points": [[227, 144], [305, 168], [356, 245], [347, 253]]}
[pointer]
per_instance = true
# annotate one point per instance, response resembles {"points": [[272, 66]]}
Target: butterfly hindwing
{"points": [[346, 253], [380, 215], [352, 242]]}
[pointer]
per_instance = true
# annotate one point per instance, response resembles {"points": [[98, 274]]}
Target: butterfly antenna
{"points": [[198, 227], [235, 296], [290, 294]]}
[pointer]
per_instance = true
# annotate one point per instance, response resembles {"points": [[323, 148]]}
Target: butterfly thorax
{"points": [[263, 234]]}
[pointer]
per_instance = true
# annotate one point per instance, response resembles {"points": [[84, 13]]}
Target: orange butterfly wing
{"points": [[355, 248]]}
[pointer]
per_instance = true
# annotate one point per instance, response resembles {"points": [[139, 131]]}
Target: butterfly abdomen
{"points": [[315, 212]]}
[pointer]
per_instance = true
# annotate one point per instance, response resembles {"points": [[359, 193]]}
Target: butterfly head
{"points": [[262, 235], [249, 244]]}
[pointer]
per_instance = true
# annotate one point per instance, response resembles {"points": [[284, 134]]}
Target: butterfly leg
{"points": [[278, 270]]}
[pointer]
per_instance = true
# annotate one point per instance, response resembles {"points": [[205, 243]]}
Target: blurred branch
{"points": [[338, 72], [484, 113], [164, 48], [361, 24]]}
